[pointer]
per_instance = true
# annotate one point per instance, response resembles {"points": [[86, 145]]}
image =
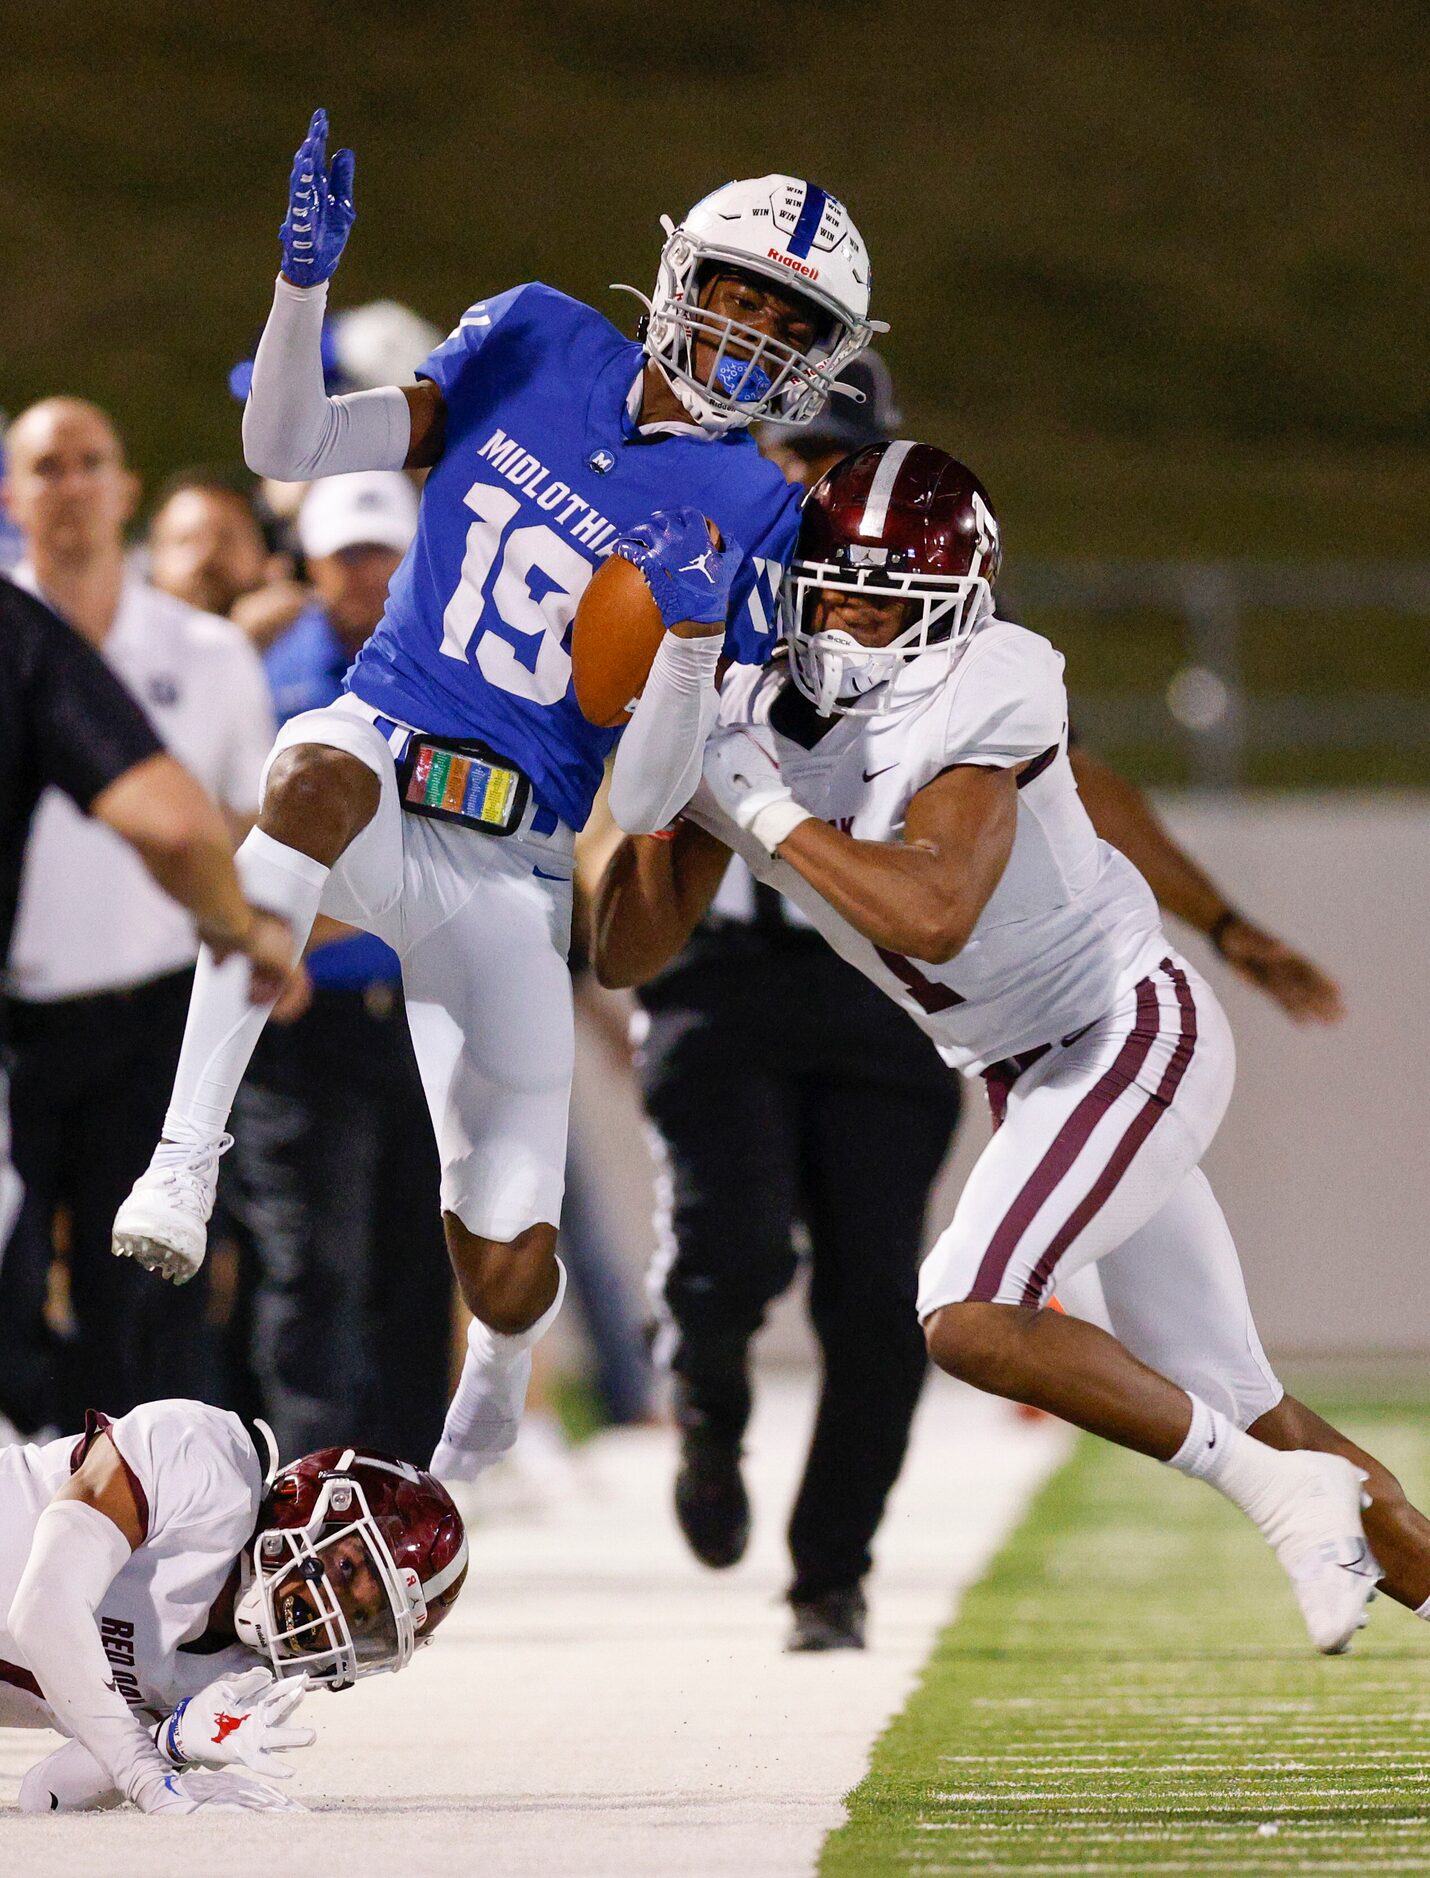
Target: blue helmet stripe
{"points": [[810, 216]]}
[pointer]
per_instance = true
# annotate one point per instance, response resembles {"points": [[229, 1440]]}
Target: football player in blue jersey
{"points": [[436, 802]]}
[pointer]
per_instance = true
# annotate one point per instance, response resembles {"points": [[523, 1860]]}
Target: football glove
{"points": [[320, 208], [742, 772], [201, 1791], [688, 576], [238, 1721]]}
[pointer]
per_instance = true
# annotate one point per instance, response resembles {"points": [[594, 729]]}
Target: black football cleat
{"points": [[710, 1500], [833, 1621]]}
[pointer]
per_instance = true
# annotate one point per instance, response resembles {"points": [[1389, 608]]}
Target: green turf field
{"points": [[1130, 1690]]}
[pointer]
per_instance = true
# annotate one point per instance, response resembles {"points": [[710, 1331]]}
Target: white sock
{"points": [[1250, 1474], [1424, 1611], [485, 1412], [222, 1026]]}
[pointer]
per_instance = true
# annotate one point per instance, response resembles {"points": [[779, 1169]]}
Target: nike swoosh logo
{"points": [[870, 774]]}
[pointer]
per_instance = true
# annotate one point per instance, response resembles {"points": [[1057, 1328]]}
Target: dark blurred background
{"points": [[1157, 272]]}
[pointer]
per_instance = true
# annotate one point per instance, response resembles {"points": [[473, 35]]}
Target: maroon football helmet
{"points": [[357, 1560], [896, 521]]}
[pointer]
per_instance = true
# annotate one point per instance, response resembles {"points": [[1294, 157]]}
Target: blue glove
{"points": [[320, 208], [689, 577]]}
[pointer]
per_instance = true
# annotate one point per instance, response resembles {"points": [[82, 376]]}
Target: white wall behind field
{"points": [[1323, 1162]]}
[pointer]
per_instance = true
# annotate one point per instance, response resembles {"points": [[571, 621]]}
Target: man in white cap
{"points": [[335, 1173]]}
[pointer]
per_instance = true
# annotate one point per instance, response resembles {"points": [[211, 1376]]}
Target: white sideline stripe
{"points": [[876, 507], [597, 1705]]}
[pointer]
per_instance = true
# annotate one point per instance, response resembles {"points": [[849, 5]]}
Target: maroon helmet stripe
{"points": [[1038, 765], [1123, 1154], [1067, 1145]]}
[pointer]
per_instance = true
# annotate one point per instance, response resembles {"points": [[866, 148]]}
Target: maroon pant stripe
{"points": [[1069, 1142], [1122, 1155], [20, 1679]]}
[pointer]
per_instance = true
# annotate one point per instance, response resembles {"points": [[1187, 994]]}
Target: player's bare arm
{"points": [[1126, 820], [427, 413], [921, 896], [652, 896]]}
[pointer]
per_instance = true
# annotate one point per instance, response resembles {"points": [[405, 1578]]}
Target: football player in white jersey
{"points": [[903, 777], [167, 1599]]}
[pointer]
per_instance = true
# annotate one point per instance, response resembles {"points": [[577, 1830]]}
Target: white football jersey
{"points": [[198, 1482], [1070, 924]]}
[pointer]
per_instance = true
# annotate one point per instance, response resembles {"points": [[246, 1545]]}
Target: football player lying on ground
{"points": [[904, 778], [167, 1600], [436, 803]]}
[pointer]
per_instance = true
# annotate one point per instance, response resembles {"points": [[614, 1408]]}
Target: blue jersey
{"points": [[543, 467]]}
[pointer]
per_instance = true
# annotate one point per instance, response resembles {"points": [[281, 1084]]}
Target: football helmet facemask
{"points": [[357, 1561], [783, 230], [894, 522]]}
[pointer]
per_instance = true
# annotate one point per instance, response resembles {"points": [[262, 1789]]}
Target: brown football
{"points": [[614, 638]]}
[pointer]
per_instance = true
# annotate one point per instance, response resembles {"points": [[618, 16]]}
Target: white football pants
{"points": [[1095, 1163], [482, 924]]}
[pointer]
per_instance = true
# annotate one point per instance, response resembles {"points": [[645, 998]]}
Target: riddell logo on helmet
{"points": [[799, 267]]}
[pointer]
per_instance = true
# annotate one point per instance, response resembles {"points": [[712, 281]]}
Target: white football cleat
{"points": [[1316, 1533], [163, 1225]]}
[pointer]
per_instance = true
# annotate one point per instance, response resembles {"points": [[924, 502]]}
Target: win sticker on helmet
{"points": [[894, 567], [726, 370]]}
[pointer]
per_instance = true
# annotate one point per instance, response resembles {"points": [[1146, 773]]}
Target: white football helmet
{"points": [[788, 231]]}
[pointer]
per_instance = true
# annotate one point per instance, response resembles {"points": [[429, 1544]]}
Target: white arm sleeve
{"points": [[74, 1558], [292, 429], [658, 760]]}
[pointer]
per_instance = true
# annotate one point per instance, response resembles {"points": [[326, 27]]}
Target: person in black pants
{"points": [[77, 1143], [768, 1054], [331, 1181], [66, 721], [101, 962]]}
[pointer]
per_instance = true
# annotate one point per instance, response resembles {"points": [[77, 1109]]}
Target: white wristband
{"points": [[777, 821]]}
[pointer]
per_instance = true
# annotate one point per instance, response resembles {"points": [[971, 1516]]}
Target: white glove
{"points": [[742, 772], [201, 1791], [237, 1721]]}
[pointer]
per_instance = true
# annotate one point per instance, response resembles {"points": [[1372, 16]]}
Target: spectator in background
{"points": [[207, 545], [334, 1175], [102, 960], [764, 1052], [12, 546], [67, 722]]}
